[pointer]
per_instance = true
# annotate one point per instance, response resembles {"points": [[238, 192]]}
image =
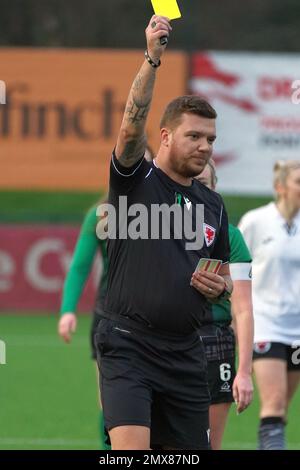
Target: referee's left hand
{"points": [[208, 284]]}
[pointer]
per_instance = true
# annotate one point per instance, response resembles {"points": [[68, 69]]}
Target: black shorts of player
{"points": [[271, 350], [219, 344], [154, 380], [94, 325]]}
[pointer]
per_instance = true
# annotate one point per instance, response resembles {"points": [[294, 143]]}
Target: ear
{"points": [[165, 137], [279, 188]]}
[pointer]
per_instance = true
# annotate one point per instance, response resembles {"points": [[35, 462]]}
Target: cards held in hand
{"points": [[209, 265]]}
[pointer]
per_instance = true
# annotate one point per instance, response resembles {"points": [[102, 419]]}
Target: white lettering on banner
{"points": [[2, 92], [7, 270], [33, 260], [65, 260], [296, 94], [257, 121]]}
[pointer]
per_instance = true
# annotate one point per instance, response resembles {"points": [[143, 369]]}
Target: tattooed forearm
{"points": [[137, 83], [131, 142], [137, 112], [143, 84], [139, 100]]}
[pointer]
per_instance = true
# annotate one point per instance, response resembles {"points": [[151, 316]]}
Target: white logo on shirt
{"points": [[225, 387]]}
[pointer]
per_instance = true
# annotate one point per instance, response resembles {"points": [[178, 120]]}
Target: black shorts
{"points": [[153, 380], [219, 344], [93, 330], [267, 349]]}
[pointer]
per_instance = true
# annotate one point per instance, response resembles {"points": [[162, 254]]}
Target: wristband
{"points": [[151, 62]]}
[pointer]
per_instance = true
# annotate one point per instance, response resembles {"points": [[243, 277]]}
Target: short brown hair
{"points": [[190, 104]]}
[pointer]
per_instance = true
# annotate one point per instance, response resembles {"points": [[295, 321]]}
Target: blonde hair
{"points": [[213, 172], [282, 169]]}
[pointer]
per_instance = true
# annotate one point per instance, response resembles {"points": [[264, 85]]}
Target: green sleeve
{"points": [[239, 252], [81, 264]]}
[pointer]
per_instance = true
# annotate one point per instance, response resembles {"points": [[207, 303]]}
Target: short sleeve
{"points": [[239, 252], [124, 179]]}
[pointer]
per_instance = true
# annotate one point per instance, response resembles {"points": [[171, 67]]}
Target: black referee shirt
{"points": [[149, 279]]}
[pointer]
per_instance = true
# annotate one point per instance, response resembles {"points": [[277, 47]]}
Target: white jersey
{"points": [[275, 249]]}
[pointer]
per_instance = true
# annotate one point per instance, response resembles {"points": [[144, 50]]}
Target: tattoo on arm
{"points": [[133, 151], [131, 142], [137, 83], [137, 112]]}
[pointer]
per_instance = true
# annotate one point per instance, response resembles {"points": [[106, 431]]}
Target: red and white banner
{"points": [[33, 263], [258, 115]]}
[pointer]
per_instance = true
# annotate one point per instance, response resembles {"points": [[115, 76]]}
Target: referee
{"points": [[153, 374]]}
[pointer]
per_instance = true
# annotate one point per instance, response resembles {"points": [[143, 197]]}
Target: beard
{"points": [[188, 169]]}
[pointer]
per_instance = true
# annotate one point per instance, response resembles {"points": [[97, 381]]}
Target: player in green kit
{"points": [[88, 245], [225, 384]]}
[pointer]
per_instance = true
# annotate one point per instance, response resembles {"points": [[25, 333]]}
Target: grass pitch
{"points": [[49, 396]]}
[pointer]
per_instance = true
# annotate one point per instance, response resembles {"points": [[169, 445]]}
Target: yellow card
{"points": [[168, 8]]}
